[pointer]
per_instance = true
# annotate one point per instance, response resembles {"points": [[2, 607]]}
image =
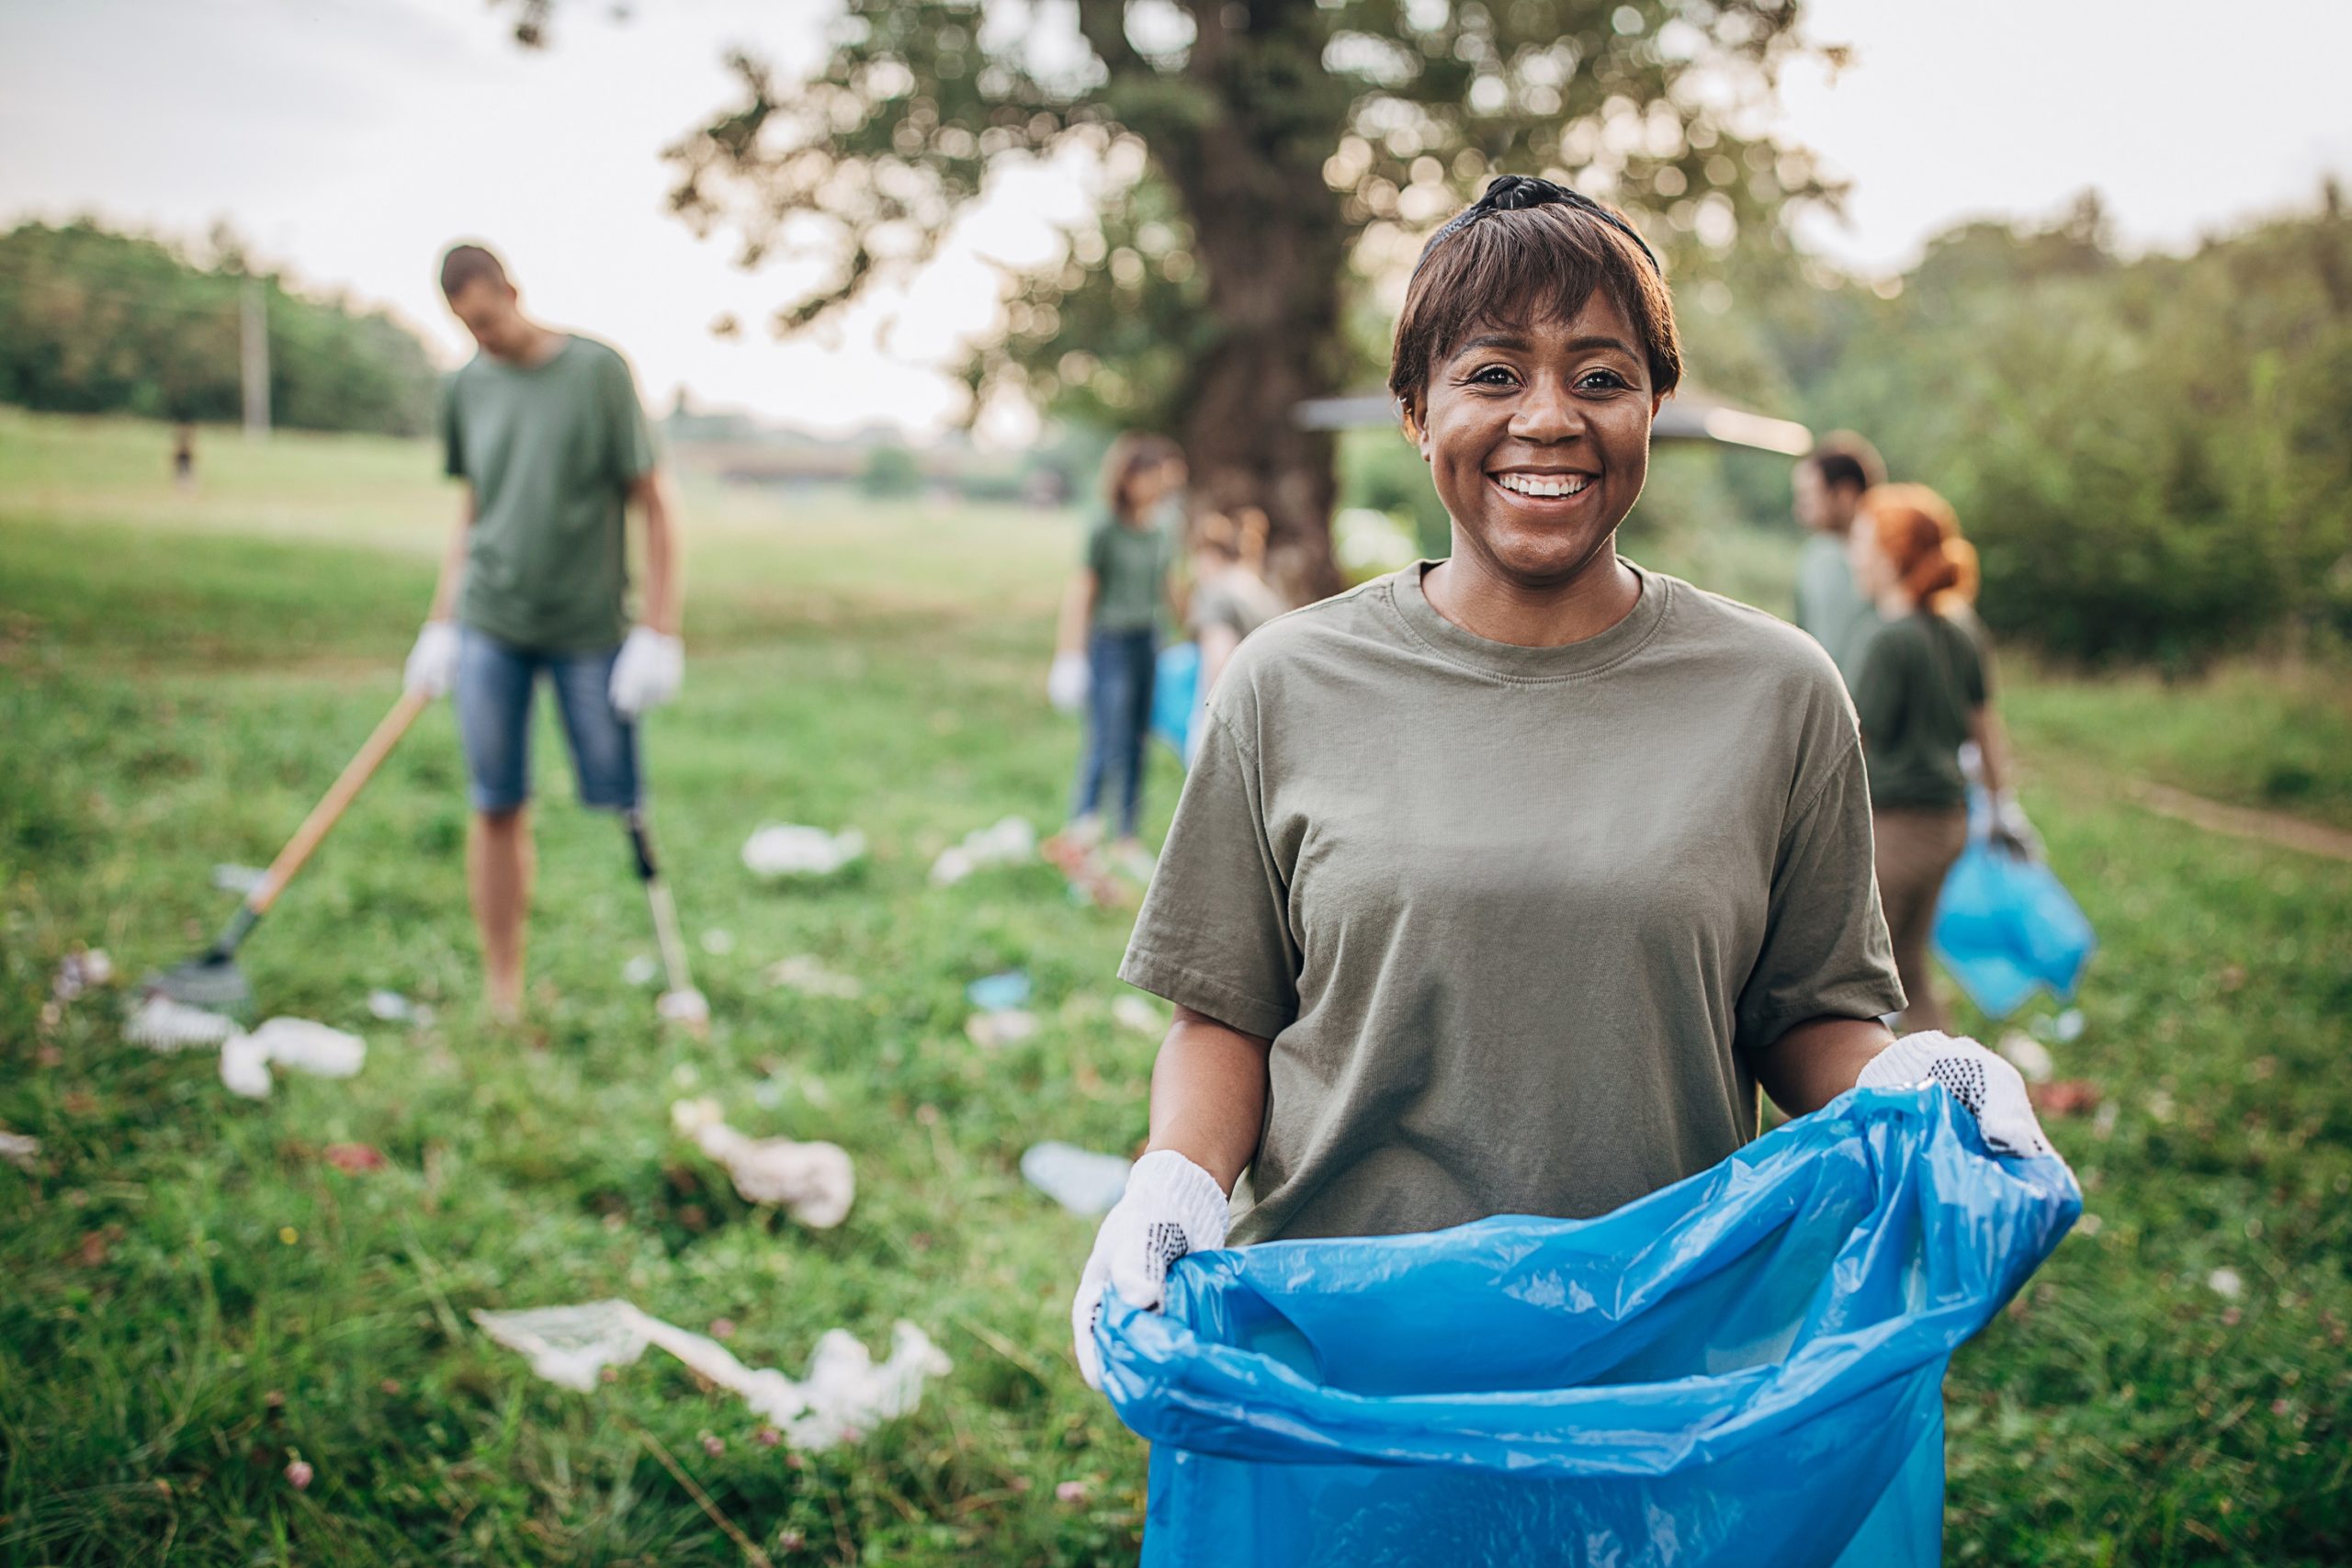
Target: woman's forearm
{"points": [[1992, 748], [1208, 1095], [1817, 1061], [1077, 609]]}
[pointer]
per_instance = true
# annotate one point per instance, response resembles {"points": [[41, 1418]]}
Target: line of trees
{"points": [[95, 321], [2154, 455]]}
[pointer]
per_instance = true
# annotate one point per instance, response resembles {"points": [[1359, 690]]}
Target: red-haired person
{"points": [[1923, 683], [1502, 883]]}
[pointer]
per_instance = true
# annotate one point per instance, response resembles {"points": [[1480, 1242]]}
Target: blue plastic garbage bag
{"points": [[2007, 927], [1744, 1368], [1175, 688]]}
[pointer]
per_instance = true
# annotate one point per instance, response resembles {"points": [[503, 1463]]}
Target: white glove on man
{"points": [[648, 671], [1066, 682], [433, 663], [1993, 1090], [1171, 1207], [2011, 830]]}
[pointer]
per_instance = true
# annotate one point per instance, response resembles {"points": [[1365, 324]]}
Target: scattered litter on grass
{"points": [[85, 969], [2069, 1026], [1008, 1026], [998, 993], [21, 1150], [238, 879], [718, 943], [298, 1044], [393, 1008], [2028, 1056], [2066, 1097], [2104, 1122], [814, 1182], [788, 849], [300, 1473], [353, 1159], [1131, 1011], [802, 972], [2090, 1224], [641, 970], [1008, 843], [162, 1024], [2225, 1283], [846, 1393], [688, 1007], [1079, 1179]]}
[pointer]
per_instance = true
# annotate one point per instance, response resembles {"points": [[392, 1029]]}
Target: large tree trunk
{"points": [[1268, 232]]}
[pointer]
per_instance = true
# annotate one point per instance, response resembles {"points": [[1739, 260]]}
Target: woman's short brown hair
{"points": [[1514, 266]]}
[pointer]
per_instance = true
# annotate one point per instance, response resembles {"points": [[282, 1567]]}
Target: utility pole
{"points": [[253, 359]]}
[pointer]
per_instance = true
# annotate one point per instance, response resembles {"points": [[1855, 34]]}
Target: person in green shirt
{"points": [[1503, 883], [1829, 483], [1922, 689], [546, 432], [1107, 644]]}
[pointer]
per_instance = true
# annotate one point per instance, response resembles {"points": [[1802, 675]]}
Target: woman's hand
{"points": [[1993, 1090], [1171, 1207]]}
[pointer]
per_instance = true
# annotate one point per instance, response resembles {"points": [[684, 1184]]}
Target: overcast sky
{"points": [[352, 139]]}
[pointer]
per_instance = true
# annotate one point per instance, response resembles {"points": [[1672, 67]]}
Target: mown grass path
{"points": [[191, 1296]]}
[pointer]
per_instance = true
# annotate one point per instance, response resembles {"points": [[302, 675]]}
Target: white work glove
{"points": [[1066, 682], [648, 671], [433, 663], [1993, 1090], [1171, 1207], [2012, 831]]}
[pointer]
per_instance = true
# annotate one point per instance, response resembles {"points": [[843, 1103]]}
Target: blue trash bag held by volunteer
{"points": [[2006, 927], [1740, 1370], [1176, 696]]}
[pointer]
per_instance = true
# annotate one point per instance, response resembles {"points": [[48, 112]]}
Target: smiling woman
{"points": [[1502, 883]]}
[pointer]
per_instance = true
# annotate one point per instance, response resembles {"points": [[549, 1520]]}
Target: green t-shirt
{"points": [[1920, 680], [550, 450], [1130, 566], [1829, 605], [1516, 920]]}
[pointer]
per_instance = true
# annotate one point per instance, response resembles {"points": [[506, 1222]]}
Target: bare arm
{"points": [[1817, 1061], [1218, 644], [665, 587], [1992, 747], [1208, 1095], [453, 564], [1077, 609]]}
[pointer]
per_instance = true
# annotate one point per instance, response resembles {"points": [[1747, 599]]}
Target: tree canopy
{"points": [[1258, 157]]}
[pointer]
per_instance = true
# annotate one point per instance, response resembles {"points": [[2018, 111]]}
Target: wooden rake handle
{"points": [[340, 794]]}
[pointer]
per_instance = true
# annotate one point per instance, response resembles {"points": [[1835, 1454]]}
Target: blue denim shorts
{"points": [[495, 682]]}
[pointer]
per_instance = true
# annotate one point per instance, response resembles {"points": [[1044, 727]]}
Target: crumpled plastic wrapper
{"points": [[86, 970], [788, 849], [814, 1183], [846, 1395], [298, 1044], [802, 972], [688, 1007], [1007, 843], [162, 1024], [21, 1150]]}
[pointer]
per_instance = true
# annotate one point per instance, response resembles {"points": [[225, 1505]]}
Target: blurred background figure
{"points": [[1108, 642], [1229, 598], [1922, 683], [1829, 484], [184, 458]]}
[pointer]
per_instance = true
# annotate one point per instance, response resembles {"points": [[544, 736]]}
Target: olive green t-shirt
{"points": [[1516, 920], [550, 450], [1829, 605], [1919, 683], [1130, 566]]}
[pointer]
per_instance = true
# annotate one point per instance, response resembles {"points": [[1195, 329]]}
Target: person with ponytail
{"points": [[1922, 689]]}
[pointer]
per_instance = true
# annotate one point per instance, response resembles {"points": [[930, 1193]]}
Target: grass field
{"points": [[193, 1298]]}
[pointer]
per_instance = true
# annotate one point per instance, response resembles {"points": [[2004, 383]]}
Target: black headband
{"points": [[1512, 193]]}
